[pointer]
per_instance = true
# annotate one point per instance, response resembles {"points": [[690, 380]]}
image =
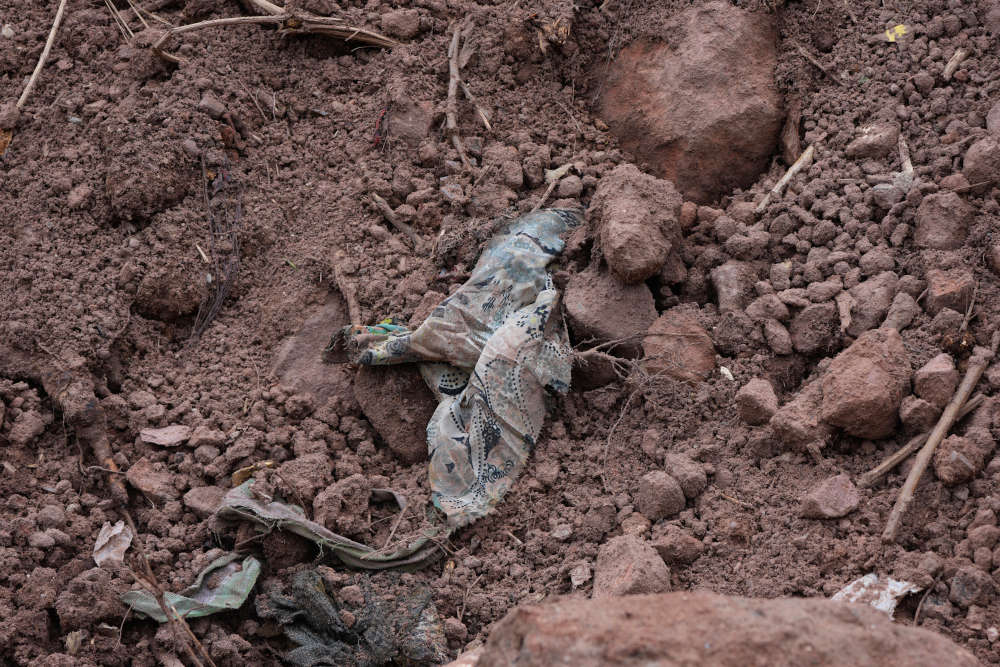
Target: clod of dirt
{"points": [[304, 476], [147, 178], [343, 507], [832, 498], [872, 299], [711, 629], [410, 120], [703, 109], [917, 415], [676, 547], [677, 346], [797, 423], [659, 496], [204, 500], [936, 380], [951, 288], [89, 598], [733, 283], [152, 480], [756, 401], [865, 385], [299, 362], [627, 565], [982, 161], [689, 474], [971, 586], [943, 221], [876, 140], [815, 330], [600, 308], [169, 293], [636, 222], [397, 402], [959, 459]]}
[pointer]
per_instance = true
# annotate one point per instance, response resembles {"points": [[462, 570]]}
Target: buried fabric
{"points": [[488, 352]]}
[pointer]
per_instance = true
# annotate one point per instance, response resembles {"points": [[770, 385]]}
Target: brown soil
{"points": [[103, 222]]}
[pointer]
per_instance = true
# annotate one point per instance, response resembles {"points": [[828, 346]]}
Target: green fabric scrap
{"points": [[227, 587]]}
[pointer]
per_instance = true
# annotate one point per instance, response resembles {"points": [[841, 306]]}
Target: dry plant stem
{"points": [[451, 109], [953, 63], [804, 161], [558, 172], [977, 365], [818, 65], [915, 443], [479, 109], [45, 55], [157, 46], [393, 219], [353, 309]]}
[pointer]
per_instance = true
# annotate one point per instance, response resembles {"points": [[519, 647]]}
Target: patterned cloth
{"points": [[488, 353]]}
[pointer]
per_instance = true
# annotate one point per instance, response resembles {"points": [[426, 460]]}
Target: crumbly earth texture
{"points": [[107, 256]]}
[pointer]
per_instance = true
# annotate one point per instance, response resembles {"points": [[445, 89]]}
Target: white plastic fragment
{"points": [[882, 593], [726, 373]]}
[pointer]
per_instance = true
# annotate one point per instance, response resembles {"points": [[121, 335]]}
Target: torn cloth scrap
{"points": [[488, 352]]}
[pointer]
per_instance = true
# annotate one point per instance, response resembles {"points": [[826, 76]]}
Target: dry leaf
{"points": [[5, 138], [112, 543]]}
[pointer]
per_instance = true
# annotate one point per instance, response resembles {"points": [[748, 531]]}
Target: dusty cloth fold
{"points": [[488, 352]]}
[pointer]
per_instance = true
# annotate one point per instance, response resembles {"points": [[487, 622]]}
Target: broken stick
{"points": [[915, 443], [977, 365], [817, 64], [804, 161], [45, 55], [383, 206], [451, 108], [953, 63]]}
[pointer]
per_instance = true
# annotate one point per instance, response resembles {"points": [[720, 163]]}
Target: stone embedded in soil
{"points": [[26, 428], [917, 415], [951, 288], [677, 346], [901, 312], [797, 423], [832, 498], [875, 140], [305, 475], [958, 460], [733, 283], [627, 565], [756, 402], [298, 364], [211, 105], [971, 586], [401, 23], [659, 496], [168, 436], [865, 384], [816, 329], [91, 597], [152, 480], [943, 221], [872, 300], [635, 217], [601, 308], [767, 307], [936, 380], [702, 628], [689, 474], [777, 337], [703, 109], [677, 547], [982, 161], [205, 435], [410, 120], [204, 500], [398, 403]]}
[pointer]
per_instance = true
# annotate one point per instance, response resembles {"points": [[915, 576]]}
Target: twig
{"points": [[804, 160], [353, 309], [915, 443], [974, 186], [383, 206], [554, 176], [953, 63], [479, 110], [820, 66], [968, 311], [45, 55], [920, 605], [451, 108], [465, 596], [977, 365]]}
